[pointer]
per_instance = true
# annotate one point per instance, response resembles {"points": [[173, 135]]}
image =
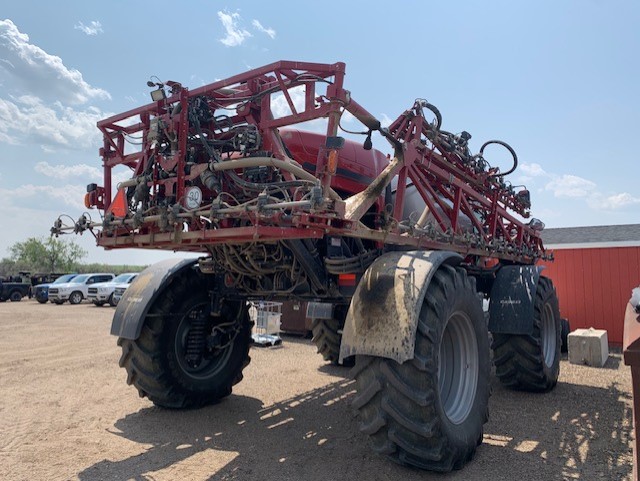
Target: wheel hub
{"points": [[548, 335], [458, 367], [192, 349]]}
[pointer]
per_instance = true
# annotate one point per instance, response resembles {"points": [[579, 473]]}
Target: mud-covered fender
{"points": [[512, 298], [383, 316], [140, 295]]}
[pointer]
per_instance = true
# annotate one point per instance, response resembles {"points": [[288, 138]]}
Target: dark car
{"points": [[41, 291], [13, 288]]}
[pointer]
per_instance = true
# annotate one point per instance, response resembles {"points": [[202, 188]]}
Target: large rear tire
{"points": [[327, 335], [15, 296], [429, 411], [170, 362], [532, 363]]}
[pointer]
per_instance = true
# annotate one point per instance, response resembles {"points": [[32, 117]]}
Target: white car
{"points": [[101, 294], [78, 288], [118, 293]]}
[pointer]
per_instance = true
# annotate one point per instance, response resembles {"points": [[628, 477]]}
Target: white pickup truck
{"points": [[78, 288], [101, 294]]}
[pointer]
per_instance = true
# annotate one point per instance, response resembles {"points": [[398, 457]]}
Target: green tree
{"points": [[47, 254], [10, 267]]}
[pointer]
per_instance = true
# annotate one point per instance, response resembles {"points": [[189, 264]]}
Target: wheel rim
{"points": [[549, 338], [208, 366], [74, 298], [458, 367]]}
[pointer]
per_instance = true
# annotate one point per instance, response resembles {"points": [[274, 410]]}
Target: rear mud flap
{"points": [[512, 298], [383, 316]]}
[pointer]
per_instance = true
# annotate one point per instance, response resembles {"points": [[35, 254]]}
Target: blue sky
{"points": [[556, 80]]}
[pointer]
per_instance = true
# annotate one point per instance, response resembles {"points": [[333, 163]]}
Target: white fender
{"points": [[383, 315]]}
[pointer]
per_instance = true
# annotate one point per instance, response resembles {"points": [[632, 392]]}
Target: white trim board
{"points": [[593, 245]]}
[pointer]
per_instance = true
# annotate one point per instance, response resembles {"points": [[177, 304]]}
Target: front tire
{"points": [[429, 411], [75, 297], [15, 296], [532, 363], [166, 365]]}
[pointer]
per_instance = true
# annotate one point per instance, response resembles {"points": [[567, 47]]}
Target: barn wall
{"points": [[594, 286]]}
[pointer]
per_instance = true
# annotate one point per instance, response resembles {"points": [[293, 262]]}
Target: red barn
{"points": [[594, 271]]}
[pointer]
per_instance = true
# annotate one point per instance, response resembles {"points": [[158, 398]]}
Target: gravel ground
{"points": [[67, 413]]}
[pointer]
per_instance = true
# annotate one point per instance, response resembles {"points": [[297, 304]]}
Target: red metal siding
{"points": [[594, 286]]}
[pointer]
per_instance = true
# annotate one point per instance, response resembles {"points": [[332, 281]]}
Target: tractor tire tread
{"points": [[396, 402], [327, 338], [519, 359], [147, 366]]}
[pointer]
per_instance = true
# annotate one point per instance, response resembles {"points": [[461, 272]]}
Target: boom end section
{"points": [[383, 316]]}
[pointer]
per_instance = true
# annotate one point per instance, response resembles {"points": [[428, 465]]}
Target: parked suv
{"points": [[41, 291], [78, 289], [102, 293]]}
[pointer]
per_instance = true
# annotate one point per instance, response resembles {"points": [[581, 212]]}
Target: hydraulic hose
{"points": [[511, 151]]}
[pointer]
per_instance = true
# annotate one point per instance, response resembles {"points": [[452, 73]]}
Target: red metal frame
{"points": [[449, 186]]}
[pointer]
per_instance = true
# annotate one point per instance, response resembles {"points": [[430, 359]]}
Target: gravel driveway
{"points": [[66, 412]]}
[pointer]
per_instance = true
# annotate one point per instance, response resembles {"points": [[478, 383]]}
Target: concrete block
{"points": [[588, 346]]}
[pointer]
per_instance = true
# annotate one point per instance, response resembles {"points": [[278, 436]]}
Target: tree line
{"points": [[49, 255]]}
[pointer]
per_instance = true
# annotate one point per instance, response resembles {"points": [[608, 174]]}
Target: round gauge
{"points": [[193, 197]]}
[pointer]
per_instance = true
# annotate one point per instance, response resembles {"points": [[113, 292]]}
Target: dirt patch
{"points": [[66, 412]]}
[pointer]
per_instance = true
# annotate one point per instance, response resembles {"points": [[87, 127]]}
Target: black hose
{"points": [[511, 151], [422, 103]]}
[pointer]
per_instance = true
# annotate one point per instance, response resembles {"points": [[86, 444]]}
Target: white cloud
{"points": [[31, 69], [280, 106], [532, 170], [528, 172], [26, 120], [235, 34], [85, 173], [617, 201], [67, 171], [269, 31], [94, 28], [71, 195], [571, 186], [568, 186]]}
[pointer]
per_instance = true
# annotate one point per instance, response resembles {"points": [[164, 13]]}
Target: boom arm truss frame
{"points": [[454, 186]]}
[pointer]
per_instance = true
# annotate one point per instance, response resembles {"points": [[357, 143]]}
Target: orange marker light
{"points": [[332, 164]]}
